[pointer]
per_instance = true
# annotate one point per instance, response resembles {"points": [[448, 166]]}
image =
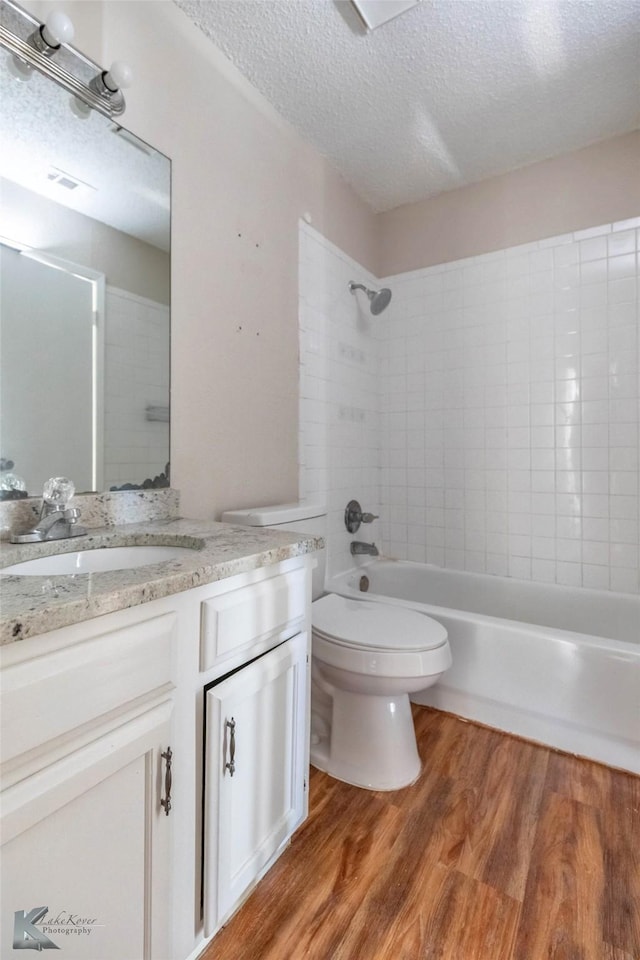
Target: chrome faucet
{"points": [[359, 549], [56, 522], [354, 516]]}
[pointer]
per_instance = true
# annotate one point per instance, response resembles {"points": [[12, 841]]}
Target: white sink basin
{"points": [[96, 561]]}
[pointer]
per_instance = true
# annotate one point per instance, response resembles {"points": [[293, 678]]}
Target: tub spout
{"points": [[359, 549]]}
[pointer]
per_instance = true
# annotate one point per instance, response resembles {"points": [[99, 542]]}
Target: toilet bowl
{"points": [[367, 657]]}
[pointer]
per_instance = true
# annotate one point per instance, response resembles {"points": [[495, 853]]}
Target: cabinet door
{"points": [[85, 849], [256, 754]]}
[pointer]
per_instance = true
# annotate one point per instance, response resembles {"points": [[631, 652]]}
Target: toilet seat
{"points": [[365, 625]]}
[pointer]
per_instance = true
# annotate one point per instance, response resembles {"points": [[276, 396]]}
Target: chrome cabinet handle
{"points": [[231, 765], [166, 802]]}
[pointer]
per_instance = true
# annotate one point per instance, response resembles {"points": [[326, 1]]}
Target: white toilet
{"points": [[367, 657]]}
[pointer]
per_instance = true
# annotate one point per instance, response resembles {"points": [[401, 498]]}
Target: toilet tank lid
{"points": [[280, 513]]}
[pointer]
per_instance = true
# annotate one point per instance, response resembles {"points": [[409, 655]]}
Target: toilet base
{"points": [[369, 741]]}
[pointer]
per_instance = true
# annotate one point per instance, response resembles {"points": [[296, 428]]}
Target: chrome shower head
{"points": [[378, 299]]}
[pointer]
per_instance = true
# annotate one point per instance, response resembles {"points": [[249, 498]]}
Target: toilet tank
{"points": [[295, 518]]}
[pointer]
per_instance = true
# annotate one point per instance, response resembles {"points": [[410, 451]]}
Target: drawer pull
{"points": [[166, 802], [231, 765]]}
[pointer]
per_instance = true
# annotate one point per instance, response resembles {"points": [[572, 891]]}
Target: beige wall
{"points": [[241, 179], [600, 184]]}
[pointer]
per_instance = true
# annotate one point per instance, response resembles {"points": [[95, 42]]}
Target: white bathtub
{"points": [[553, 664]]}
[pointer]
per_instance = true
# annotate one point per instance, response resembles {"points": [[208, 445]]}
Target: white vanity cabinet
{"points": [[86, 847], [90, 715]]}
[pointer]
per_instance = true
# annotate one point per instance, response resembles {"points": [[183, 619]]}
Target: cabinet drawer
{"points": [[51, 695], [233, 622]]}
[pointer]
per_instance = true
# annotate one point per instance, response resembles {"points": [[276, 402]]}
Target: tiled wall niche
{"points": [[507, 407]]}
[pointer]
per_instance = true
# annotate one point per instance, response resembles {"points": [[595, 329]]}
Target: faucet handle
{"points": [[58, 491], [353, 516]]}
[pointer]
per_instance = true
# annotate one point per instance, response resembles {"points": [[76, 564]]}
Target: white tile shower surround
{"points": [[339, 434], [502, 429], [136, 375]]}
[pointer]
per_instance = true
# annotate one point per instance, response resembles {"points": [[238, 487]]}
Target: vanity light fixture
{"points": [[49, 37], [117, 77], [46, 39], [46, 47]]}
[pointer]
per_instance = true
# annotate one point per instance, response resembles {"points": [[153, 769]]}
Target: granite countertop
{"points": [[31, 605]]}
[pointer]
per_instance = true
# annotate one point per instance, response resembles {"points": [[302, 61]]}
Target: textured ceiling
{"points": [[448, 93]]}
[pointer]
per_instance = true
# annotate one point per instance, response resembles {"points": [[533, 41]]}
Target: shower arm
{"points": [[379, 299]]}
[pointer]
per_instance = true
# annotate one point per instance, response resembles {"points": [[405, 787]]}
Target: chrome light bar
{"points": [[32, 45]]}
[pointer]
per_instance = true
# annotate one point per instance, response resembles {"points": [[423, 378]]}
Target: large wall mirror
{"points": [[84, 294]]}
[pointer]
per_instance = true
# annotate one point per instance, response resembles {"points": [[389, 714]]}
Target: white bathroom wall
{"points": [[136, 376], [510, 412], [339, 397], [491, 412]]}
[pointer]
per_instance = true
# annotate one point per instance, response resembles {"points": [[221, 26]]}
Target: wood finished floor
{"points": [[502, 850]]}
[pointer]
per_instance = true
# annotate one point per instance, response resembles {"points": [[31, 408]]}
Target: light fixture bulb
{"points": [[81, 109], [118, 76], [19, 68], [57, 29]]}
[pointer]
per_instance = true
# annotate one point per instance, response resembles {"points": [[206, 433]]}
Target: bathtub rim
{"points": [[337, 584]]}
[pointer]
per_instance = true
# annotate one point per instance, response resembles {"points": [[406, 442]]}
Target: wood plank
{"points": [[457, 749], [617, 796], [440, 915], [306, 900], [409, 875], [591, 783], [461, 918], [502, 829], [562, 908], [620, 831], [612, 953]]}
